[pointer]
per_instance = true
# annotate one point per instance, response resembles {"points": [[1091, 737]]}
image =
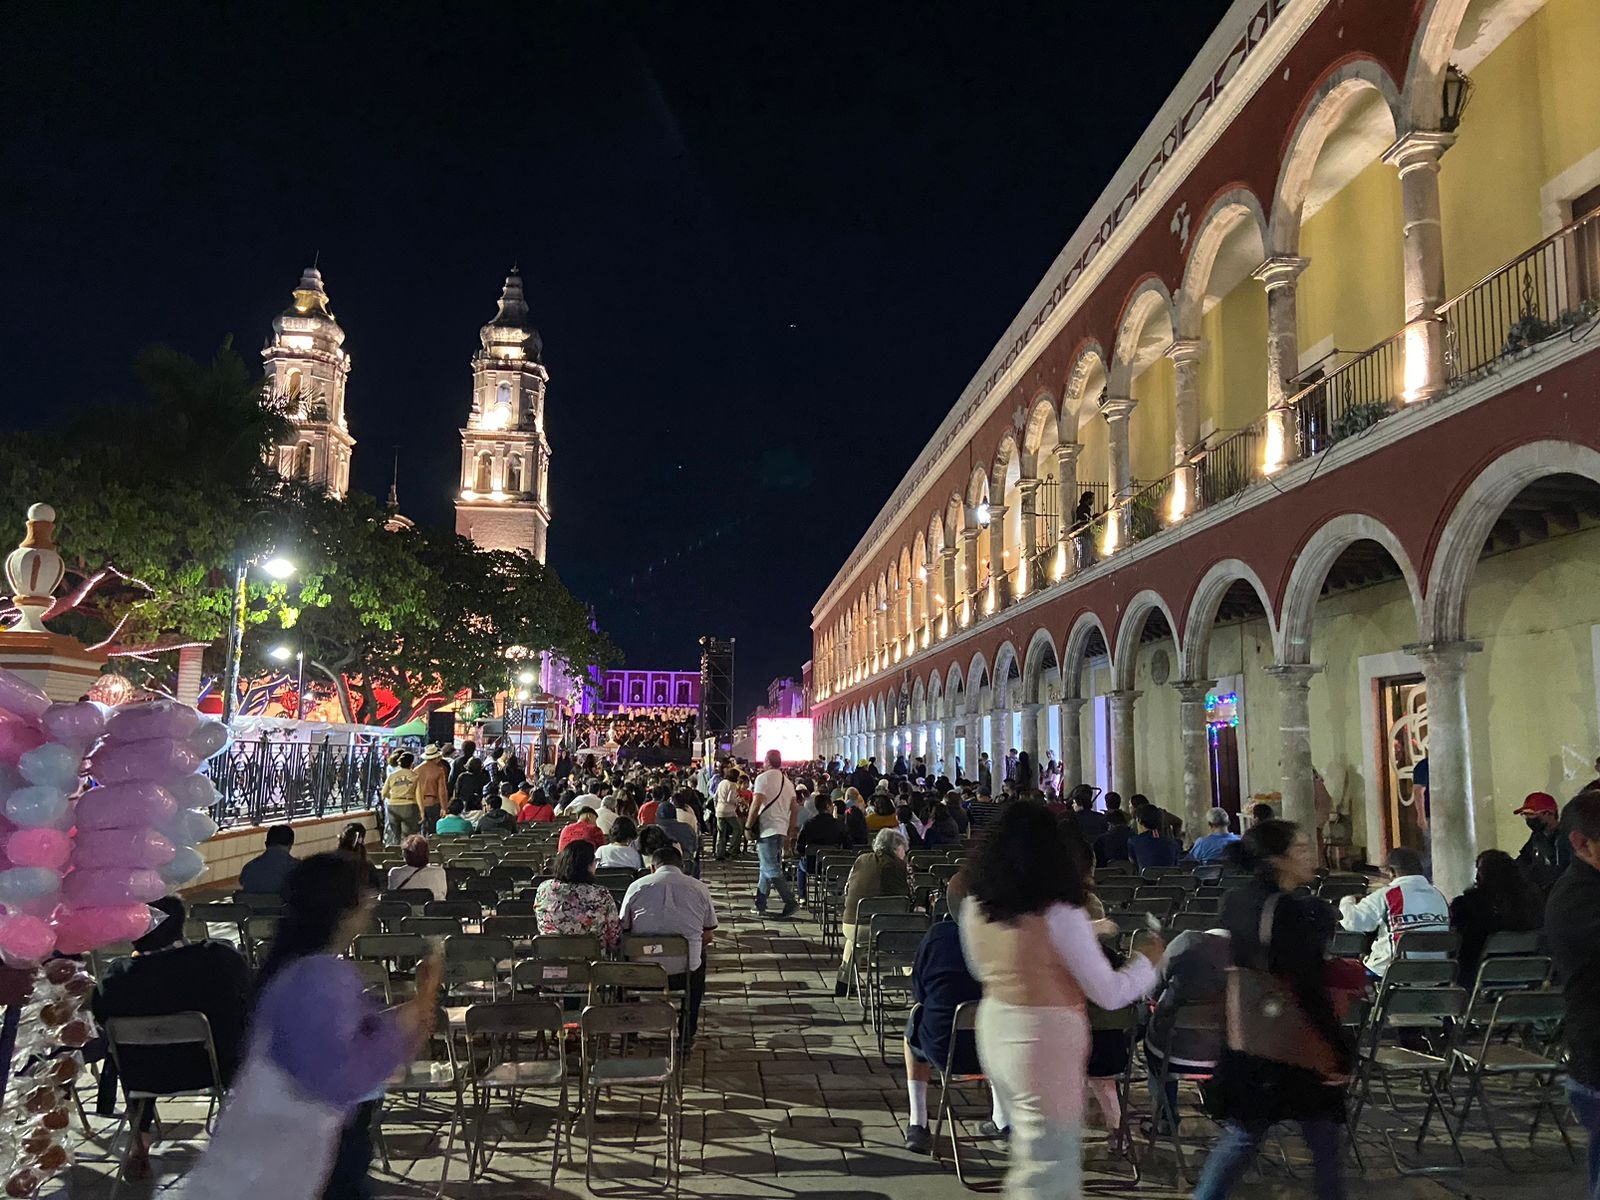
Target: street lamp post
{"points": [[283, 654], [279, 568]]}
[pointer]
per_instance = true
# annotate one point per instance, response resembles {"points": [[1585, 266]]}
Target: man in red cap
{"points": [[1546, 853]]}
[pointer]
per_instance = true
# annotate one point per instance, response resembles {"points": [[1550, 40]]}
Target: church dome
{"points": [[509, 334]]}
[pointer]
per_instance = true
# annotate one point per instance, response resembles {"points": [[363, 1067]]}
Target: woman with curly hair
{"points": [[1033, 947]]}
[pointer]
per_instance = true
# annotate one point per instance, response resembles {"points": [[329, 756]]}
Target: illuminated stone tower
{"points": [[504, 501], [307, 369]]}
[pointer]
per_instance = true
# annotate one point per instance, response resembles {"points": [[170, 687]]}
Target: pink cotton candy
{"points": [[43, 847], [17, 737], [25, 941], [136, 805], [19, 696], [78, 724], [83, 929], [153, 719]]}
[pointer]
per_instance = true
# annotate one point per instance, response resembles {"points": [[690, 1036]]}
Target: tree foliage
{"points": [[157, 500]]}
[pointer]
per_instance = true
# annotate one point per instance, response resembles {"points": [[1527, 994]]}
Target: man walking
{"points": [[772, 822], [1572, 925]]}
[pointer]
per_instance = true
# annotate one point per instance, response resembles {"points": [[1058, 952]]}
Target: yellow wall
{"points": [[1150, 427], [1354, 288], [1094, 460], [1534, 113], [1233, 370]]}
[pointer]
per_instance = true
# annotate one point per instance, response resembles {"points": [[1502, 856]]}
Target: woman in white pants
{"points": [[1034, 949]]}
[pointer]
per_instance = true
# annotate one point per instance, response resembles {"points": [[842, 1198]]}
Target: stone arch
{"points": [[954, 690], [1005, 658], [935, 692], [1431, 49], [977, 486], [919, 701], [1126, 654], [1298, 611], [1149, 301], [1037, 662], [1041, 431], [1455, 555], [1074, 651], [1089, 366], [978, 678], [1337, 95], [1235, 209], [1203, 606]]}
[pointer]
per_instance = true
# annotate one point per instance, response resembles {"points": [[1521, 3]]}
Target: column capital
{"points": [[970, 533], [1194, 691], [1123, 697], [1419, 149], [1117, 408], [996, 511], [1280, 270], [1444, 658], [1027, 487], [1298, 675], [1074, 704], [1029, 709], [1186, 351], [1067, 453], [948, 553]]}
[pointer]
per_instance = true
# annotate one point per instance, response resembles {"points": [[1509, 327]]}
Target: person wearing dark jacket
{"points": [[855, 827], [1572, 926], [1499, 901], [469, 783], [1546, 853], [1194, 974], [1251, 1094], [1112, 845], [1023, 775], [821, 832], [941, 982], [166, 976], [1152, 846]]}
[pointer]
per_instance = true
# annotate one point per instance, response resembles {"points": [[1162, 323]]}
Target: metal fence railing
{"points": [[1230, 466], [263, 782], [1550, 289], [1351, 397]]}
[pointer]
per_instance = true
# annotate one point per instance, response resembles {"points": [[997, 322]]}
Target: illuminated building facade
{"points": [[307, 369], [1286, 477], [504, 502], [625, 689]]}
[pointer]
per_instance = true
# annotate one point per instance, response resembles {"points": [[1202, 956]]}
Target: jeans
{"points": [[404, 820], [695, 984], [800, 873], [1586, 1107], [729, 834], [1236, 1149], [769, 850]]}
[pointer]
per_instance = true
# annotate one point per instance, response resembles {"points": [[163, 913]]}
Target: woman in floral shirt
{"points": [[573, 902]]}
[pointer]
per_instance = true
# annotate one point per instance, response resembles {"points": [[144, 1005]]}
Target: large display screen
{"points": [[789, 736]]}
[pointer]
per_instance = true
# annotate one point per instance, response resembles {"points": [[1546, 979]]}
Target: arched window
{"points": [[502, 395], [485, 468], [514, 474], [291, 386], [302, 465]]}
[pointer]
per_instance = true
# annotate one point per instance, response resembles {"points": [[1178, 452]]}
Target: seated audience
{"points": [[353, 845], [572, 902], [453, 822], [620, 853], [821, 832], [264, 874], [681, 832], [166, 975], [941, 982], [881, 873], [1089, 819], [669, 902], [882, 814], [1152, 846], [1403, 901], [1112, 845], [495, 819], [1218, 838], [418, 872], [584, 828], [1501, 900], [942, 828], [536, 808]]}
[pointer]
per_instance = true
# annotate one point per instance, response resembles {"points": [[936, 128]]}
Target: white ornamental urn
{"points": [[34, 570]]}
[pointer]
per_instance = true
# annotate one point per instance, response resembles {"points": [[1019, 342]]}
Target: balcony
{"points": [[1551, 291]]}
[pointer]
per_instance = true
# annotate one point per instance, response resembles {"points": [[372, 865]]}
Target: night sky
{"points": [[766, 244]]}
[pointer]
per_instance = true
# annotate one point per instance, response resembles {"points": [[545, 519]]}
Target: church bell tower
{"points": [[504, 502], [306, 371]]}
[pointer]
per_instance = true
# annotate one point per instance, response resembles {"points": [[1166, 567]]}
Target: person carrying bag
{"points": [[771, 823]]}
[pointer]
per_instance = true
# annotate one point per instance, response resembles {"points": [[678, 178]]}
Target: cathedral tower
{"points": [[504, 501], [306, 370]]}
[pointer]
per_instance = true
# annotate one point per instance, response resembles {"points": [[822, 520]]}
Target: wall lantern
{"points": [[1457, 91]]}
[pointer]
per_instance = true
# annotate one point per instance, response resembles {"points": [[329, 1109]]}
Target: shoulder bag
{"points": [[753, 825], [1265, 1019]]}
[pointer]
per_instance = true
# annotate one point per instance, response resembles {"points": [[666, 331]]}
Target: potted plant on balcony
{"points": [[1358, 418]]}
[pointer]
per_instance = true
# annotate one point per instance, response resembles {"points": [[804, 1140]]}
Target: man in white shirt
{"points": [[772, 817], [1404, 902], [669, 902]]}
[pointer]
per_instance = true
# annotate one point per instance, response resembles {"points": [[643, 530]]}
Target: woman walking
{"points": [[1032, 946], [297, 1122], [1274, 930]]}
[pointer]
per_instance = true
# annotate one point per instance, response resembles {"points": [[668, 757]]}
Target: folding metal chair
{"points": [[614, 982], [669, 951], [515, 907], [1348, 943], [165, 1034], [415, 897], [1159, 908], [431, 927], [866, 909], [1507, 943], [474, 964], [1204, 1020], [515, 1047], [1417, 1009], [617, 1041], [229, 915], [1516, 1020], [563, 979], [374, 978], [1123, 1021], [437, 1072], [259, 930], [894, 953], [568, 945], [949, 1074], [1427, 944], [260, 902], [459, 910], [1114, 895]]}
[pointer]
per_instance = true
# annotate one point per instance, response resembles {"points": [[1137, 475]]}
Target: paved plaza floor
{"points": [[786, 1096]]}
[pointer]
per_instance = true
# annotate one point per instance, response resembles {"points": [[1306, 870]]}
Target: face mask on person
{"points": [[1534, 823]]}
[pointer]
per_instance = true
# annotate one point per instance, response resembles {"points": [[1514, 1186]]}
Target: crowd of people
{"points": [[1026, 937]]}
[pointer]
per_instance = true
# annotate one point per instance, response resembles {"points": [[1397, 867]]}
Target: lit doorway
{"points": [[1403, 743]]}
